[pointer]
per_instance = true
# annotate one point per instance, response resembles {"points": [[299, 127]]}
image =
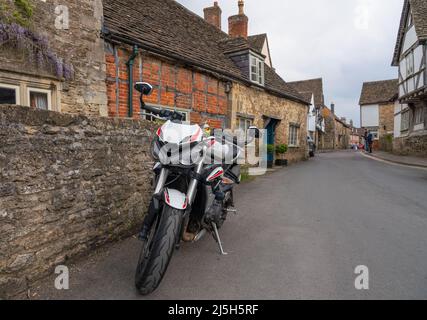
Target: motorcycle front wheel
{"points": [[157, 251]]}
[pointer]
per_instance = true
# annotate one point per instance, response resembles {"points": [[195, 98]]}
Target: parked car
{"points": [[311, 146]]}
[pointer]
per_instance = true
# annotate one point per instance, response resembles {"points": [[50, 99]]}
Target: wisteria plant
{"points": [[35, 46]]}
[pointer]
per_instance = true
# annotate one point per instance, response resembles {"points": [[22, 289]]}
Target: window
{"points": [[418, 118], [293, 135], [410, 67], [374, 135], [9, 94], [29, 91], [243, 124], [39, 99], [405, 121], [257, 70]]}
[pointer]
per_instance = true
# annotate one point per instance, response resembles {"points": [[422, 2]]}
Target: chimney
{"points": [[238, 24], [213, 15], [333, 108]]}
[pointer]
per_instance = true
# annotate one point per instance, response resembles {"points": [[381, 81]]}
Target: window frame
{"points": [[293, 139], [410, 64], [38, 90], [17, 89], [259, 73], [248, 123], [405, 120], [418, 116]]}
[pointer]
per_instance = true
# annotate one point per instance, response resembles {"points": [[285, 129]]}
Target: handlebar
{"points": [[165, 114]]}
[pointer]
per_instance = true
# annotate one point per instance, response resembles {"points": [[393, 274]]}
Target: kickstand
{"points": [[218, 239]]}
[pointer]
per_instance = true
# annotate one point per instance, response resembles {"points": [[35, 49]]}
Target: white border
{"points": [[17, 91], [48, 92]]}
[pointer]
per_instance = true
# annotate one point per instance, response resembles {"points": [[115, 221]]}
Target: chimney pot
{"points": [[213, 15], [238, 24]]}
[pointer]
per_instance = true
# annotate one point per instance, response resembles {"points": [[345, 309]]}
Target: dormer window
{"points": [[257, 70]]}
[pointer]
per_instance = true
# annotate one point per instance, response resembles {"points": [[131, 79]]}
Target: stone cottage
{"points": [[208, 75], [377, 105], [196, 68], [263, 98], [312, 89], [40, 64], [410, 136], [337, 131]]}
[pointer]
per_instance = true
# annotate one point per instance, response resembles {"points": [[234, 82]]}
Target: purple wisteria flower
{"points": [[37, 47]]}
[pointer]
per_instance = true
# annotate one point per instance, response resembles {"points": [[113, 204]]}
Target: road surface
{"points": [[300, 234]]}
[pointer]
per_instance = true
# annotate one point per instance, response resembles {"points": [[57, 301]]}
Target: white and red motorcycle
{"points": [[193, 190]]}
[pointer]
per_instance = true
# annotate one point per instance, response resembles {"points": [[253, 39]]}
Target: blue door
{"points": [[271, 137]]}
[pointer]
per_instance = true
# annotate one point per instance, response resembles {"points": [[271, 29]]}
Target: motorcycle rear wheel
{"points": [[157, 251]]}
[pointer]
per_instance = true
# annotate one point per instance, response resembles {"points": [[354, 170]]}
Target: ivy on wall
{"points": [[16, 11], [16, 32]]}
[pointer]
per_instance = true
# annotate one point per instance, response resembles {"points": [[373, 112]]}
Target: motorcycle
{"points": [[193, 190]]}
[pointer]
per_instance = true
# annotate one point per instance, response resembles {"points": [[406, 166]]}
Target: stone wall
{"points": [[328, 139], [68, 184], [342, 135], [260, 105], [80, 45], [414, 145], [198, 94], [386, 112]]}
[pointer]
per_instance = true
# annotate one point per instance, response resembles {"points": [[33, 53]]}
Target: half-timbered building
{"points": [[410, 58]]}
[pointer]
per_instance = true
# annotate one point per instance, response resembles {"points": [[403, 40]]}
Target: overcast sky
{"points": [[346, 42]]}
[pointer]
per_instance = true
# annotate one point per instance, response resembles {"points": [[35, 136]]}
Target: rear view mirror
{"points": [[144, 88]]}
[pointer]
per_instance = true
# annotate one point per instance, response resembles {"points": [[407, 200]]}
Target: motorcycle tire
{"points": [[157, 251]]}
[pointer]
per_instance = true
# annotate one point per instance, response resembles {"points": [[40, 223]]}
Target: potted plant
{"points": [[270, 155], [281, 149]]}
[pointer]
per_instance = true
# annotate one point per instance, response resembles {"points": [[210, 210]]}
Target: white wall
{"points": [[410, 39], [370, 116], [311, 119], [397, 119], [266, 53]]}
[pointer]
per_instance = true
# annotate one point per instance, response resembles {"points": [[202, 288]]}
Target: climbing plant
{"points": [[15, 32], [16, 11]]}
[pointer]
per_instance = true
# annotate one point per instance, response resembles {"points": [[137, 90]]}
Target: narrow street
{"points": [[300, 234]]}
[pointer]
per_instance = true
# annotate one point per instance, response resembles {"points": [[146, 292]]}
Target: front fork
{"points": [[154, 208]]}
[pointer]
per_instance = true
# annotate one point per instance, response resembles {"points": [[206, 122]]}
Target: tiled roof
{"points": [[379, 92], [257, 41], [312, 86], [419, 14], [170, 29]]}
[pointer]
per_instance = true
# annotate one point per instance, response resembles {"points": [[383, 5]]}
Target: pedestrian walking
{"points": [[365, 137], [370, 140]]}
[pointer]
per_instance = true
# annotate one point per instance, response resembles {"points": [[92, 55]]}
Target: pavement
{"points": [[300, 233], [403, 160]]}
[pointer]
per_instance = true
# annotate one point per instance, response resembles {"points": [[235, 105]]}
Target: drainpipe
{"points": [[130, 73]]}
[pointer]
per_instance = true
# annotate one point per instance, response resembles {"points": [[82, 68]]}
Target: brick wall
{"points": [[68, 184], [199, 94]]}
